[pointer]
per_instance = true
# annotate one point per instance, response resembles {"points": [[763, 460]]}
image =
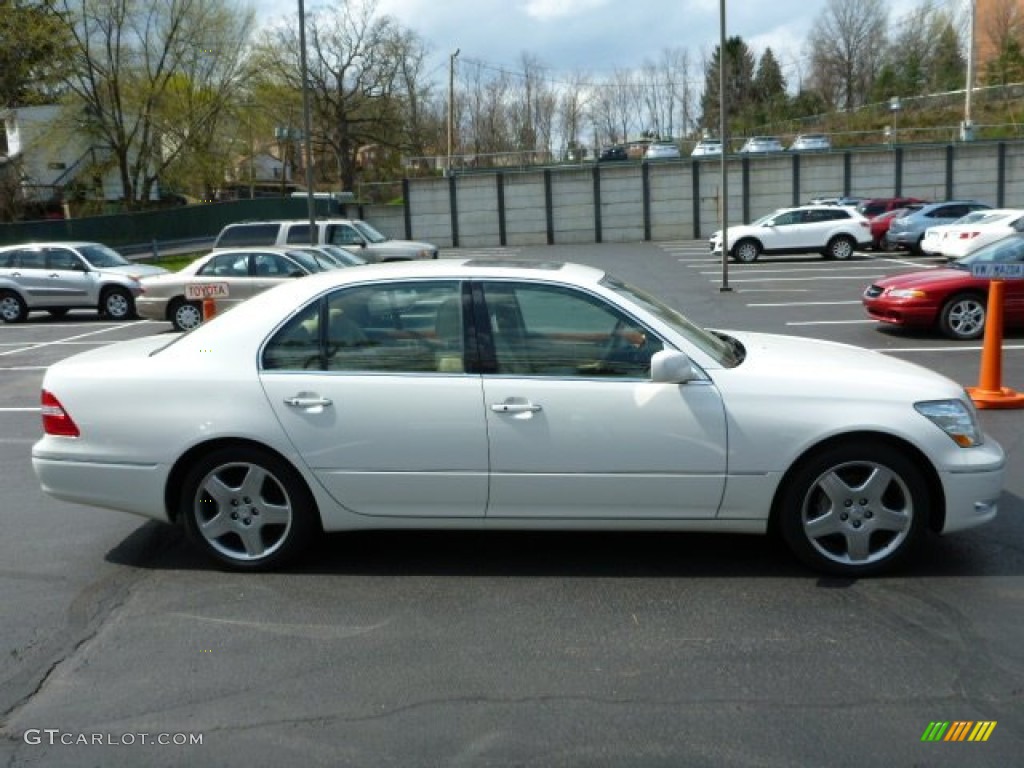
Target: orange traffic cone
{"points": [[209, 309], [990, 392]]}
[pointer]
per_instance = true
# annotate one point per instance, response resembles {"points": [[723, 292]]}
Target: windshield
{"points": [[101, 256], [342, 256], [309, 261], [723, 349], [1006, 251], [369, 232], [324, 260]]}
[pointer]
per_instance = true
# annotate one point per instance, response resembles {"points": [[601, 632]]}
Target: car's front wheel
{"points": [[840, 248], [248, 508], [185, 315], [117, 304], [746, 251], [12, 307], [963, 317], [854, 509]]}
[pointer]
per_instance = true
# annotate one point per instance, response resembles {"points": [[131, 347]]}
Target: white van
{"points": [[352, 234]]}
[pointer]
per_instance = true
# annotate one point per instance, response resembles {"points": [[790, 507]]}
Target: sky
{"points": [[600, 36]]}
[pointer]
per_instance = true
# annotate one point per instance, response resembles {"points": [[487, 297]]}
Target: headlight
{"points": [[956, 418], [906, 293]]}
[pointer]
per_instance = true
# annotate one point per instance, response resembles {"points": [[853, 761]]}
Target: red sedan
{"points": [[949, 298], [880, 224]]}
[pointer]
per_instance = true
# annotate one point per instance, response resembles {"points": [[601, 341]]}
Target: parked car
{"points": [[760, 144], [706, 147], [906, 232], [352, 234], [335, 255], [880, 224], [967, 235], [833, 231], [60, 276], [613, 154], [353, 399], [244, 271], [807, 142], [662, 150], [876, 206], [949, 299], [931, 243]]}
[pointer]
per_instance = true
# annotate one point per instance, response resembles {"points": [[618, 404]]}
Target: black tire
{"points": [[746, 251], [963, 316], [840, 248], [57, 314], [117, 304], [854, 509], [12, 307], [185, 315], [265, 514]]}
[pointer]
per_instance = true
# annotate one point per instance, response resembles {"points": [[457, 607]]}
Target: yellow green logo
{"points": [[959, 730]]}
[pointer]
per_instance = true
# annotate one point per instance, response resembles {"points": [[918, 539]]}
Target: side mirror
{"points": [[672, 367]]}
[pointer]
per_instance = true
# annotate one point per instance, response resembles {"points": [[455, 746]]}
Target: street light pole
{"points": [[451, 108], [723, 195], [307, 127], [967, 129]]}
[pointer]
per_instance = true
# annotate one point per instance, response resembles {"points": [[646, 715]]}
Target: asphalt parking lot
{"points": [[412, 649]]}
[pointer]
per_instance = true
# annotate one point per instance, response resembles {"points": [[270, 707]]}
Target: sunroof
{"points": [[516, 263]]}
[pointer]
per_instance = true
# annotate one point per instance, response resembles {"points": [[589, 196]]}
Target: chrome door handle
{"points": [[514, 407], [307, 402]]}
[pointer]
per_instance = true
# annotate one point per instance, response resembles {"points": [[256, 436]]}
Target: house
{"points": [[52, 156]]}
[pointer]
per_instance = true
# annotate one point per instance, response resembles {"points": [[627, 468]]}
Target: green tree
{"points": [[33, 52], [739, 87], [769, 89]]}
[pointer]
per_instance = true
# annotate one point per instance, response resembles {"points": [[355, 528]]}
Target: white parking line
{"points": [[831, 322], [788, 279], [1006, 347], [804, 304], [41, 344], [69, 343]]}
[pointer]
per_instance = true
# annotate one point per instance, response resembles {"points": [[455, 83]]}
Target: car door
{"points": [[784, 232], [576, 428], [371, 385], [70, 282], [28, 271], [348, 236]]}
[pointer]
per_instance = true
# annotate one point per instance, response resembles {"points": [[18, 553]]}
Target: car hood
{"points": [[924, 278], [136, 270], [825, 368]]}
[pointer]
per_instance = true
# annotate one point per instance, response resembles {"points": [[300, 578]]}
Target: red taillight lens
{"points": [[55, 419]]}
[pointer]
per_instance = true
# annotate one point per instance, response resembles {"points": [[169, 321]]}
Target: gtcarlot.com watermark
{"points": [[55, 736]]}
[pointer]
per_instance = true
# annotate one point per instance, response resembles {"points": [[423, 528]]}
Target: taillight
{"points": [[55, 419]]}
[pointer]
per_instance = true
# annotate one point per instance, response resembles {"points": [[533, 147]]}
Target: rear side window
{"points": [[247, 234], [298, 234]]}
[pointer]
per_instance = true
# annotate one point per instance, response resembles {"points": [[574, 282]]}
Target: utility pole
{"points": [[967, 128], [722, 125], [307, 126], [451, 108]]}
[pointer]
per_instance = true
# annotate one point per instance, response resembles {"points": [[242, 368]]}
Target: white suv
{"points": [[352, 234], [833, 231]]}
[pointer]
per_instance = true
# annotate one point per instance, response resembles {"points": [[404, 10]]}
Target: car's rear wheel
{"points": [[185, 315], [248, 508], [12, 307], [854, 509], [117, 304], [840, 248], [746, 251], [963, 316]]}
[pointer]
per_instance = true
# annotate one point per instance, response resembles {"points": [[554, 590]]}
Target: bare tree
{"points": [[846, 45], [155, 76], [572, 106]]}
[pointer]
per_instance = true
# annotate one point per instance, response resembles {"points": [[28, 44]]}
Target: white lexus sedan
{"points": [[510, 395]]}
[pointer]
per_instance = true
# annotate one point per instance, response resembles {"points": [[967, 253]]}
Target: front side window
{"points": [[63, 259], [790, 217], [399, 327], [343, 234], [226, 265], [544, 330]]}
